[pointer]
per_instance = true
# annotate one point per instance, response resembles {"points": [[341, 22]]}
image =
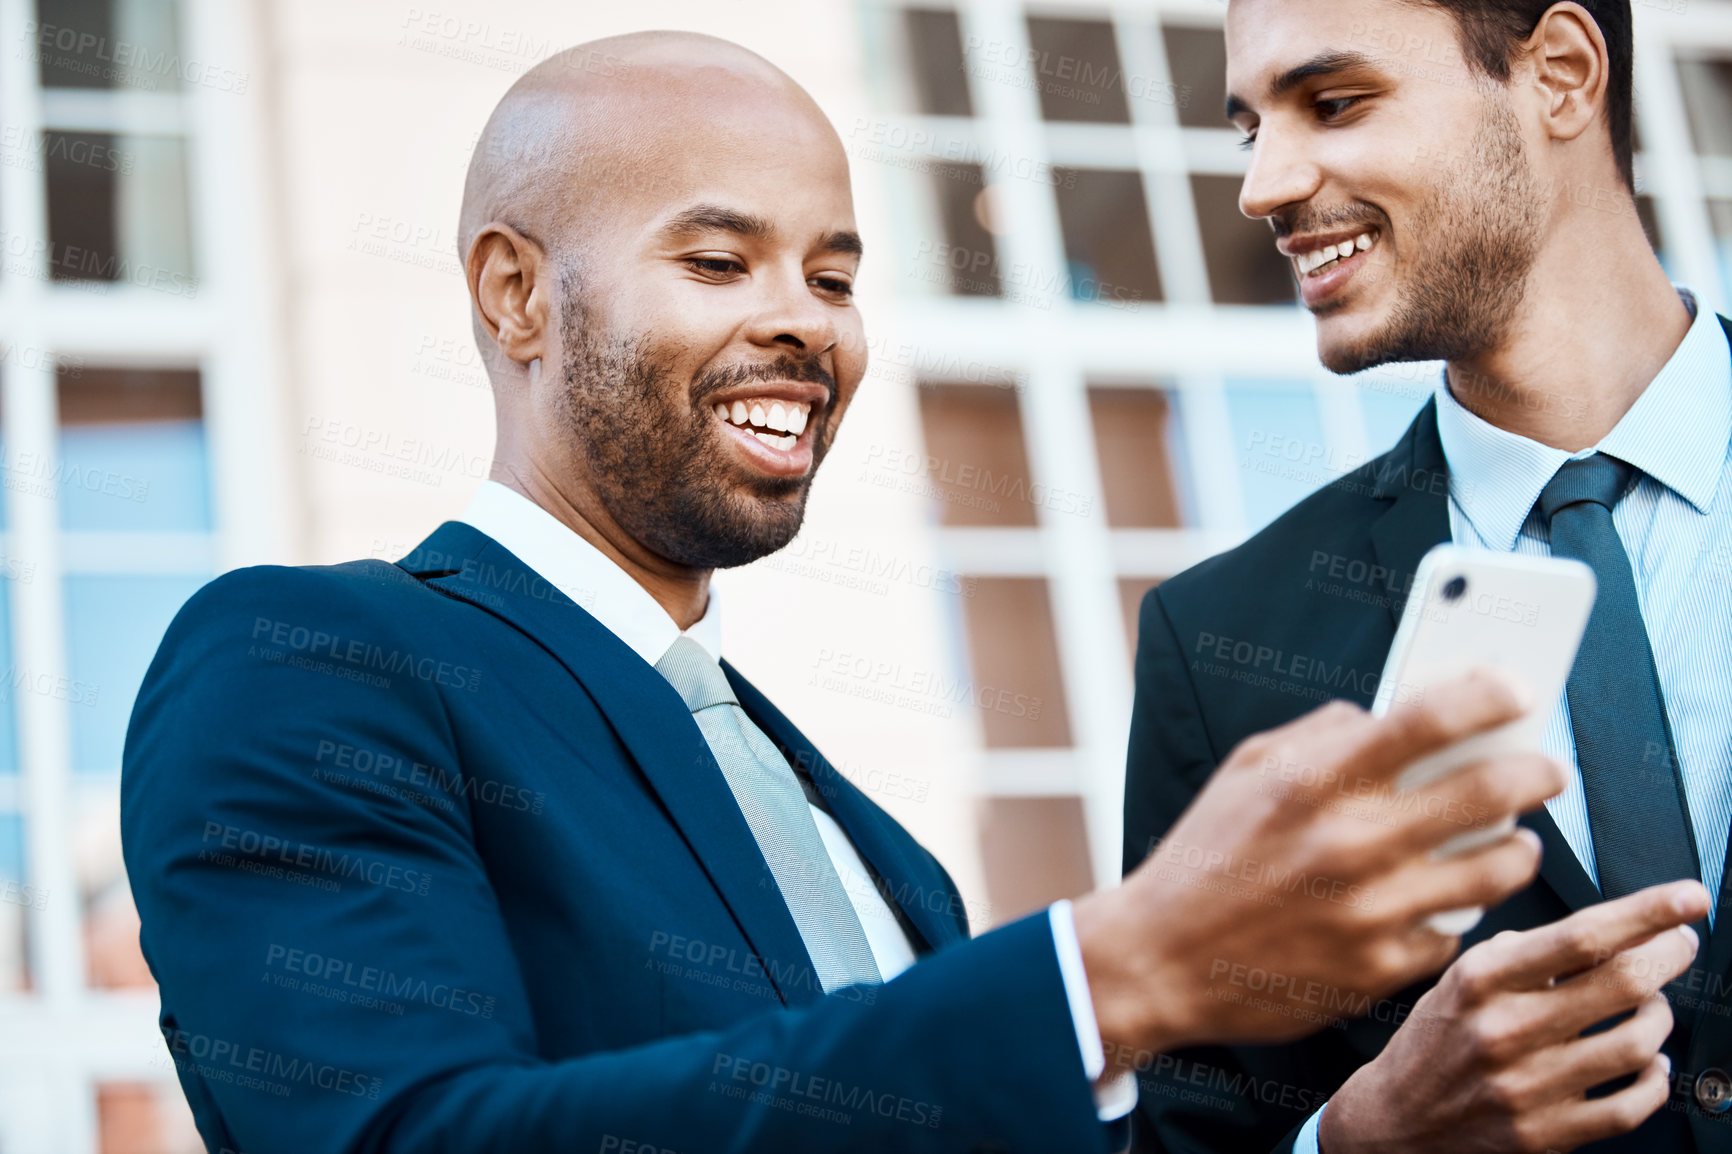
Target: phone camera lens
{"points": [[1454, 588]]}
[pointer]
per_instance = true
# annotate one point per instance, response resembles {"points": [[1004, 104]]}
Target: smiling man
{"points": [[1452, 181], [487, 850]]}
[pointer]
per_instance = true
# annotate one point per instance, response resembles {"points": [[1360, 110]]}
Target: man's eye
{"points": [[716, 265], [1330, 109], [835, 285]]}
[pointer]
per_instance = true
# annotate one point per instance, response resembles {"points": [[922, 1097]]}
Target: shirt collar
{"points": [[1677, 432], [586, 574]]}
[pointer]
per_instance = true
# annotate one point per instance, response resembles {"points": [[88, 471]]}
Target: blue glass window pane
{"points": [[1389, 405], [17, 898], [14, 683], [1720, 212], [1185, 477], [1279, 446], [11, 847], [148, 475], [113, 626]]}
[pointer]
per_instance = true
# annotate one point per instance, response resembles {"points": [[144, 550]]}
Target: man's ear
{"points": [[1570, 69], [510, 283]]}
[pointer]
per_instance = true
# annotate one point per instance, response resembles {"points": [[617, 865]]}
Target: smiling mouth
{"points": [[1321, 261], [776, 423]]}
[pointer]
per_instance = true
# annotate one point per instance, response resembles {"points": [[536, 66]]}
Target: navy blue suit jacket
{"points": [[428, 860]]}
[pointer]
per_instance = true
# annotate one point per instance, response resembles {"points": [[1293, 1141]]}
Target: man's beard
{"points": [[656, 464], [1462, 293]]}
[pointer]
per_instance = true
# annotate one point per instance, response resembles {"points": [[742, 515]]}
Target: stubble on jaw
{"points": [[1464, 291], [657, 465]]}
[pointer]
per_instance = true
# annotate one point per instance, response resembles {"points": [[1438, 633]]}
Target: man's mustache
{"points": [[808, 369], [1287, 222]]}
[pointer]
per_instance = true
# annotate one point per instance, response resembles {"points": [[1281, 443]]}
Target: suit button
{"points": [[1714, 1091]]}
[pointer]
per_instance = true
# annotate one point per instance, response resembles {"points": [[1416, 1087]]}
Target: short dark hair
{"points": [[1491, 29]]}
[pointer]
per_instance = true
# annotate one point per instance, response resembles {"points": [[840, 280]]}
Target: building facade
{"points": [[233, 331]]}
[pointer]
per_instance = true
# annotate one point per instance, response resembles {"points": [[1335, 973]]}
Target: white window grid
{"points": [[1187, 344], [61, 1039]]}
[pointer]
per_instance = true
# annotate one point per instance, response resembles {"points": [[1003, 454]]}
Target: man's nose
{"points": [[792, 315], [1281, 173]]}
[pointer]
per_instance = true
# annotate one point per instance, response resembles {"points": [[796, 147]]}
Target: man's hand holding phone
{"points": [[1303, 862]]}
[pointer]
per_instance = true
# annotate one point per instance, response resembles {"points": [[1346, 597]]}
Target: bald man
{"points": [[487, 850]]}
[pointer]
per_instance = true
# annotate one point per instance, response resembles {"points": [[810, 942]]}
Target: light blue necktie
{"points": [[775, 808]]}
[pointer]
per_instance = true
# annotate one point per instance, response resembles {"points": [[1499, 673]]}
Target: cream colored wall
{"points": [[377, 106]]}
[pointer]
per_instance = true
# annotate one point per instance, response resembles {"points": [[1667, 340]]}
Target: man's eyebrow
{"points": [[716, 218], [1323, 64], [842, 241]]}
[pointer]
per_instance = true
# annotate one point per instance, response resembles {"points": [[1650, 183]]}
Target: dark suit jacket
{"points": [[1303, 612], [428, 860]]}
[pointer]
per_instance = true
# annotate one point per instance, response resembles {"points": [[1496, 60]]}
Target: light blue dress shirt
{"points": [[1676, 526]]}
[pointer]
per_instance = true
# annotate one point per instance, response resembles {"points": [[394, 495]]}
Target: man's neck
{"points": [[1596, 325], [683, 593]]}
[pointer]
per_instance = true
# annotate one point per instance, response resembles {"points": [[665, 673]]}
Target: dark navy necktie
{"points": [[1635, 794]]}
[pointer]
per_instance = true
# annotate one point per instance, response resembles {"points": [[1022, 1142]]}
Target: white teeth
{"points": [[784, 417], [1310, 262]]}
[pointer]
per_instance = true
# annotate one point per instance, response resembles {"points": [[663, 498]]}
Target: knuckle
{"points": [[1493, 1039], [1633, 1109], [1349, 850], [1505, 1094], [1534, 774], [1511, 866], [1390, 962], [1426, 725], [1660, 1014], [1473, 972], [1658, 1096], [1340, 710], [1525, 1137], [1498, 694], [1577, 940], [1632, 1052], [1252, 752]]}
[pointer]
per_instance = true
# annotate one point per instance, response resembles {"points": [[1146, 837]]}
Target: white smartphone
{"points": [[1473, 608]]}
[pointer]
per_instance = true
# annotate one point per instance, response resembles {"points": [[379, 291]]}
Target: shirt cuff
{"points": [[1117, 1096], [1306, 1142]]}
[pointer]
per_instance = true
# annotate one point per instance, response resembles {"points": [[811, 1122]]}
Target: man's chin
{"points": [[726, 534], [1346, 346]]}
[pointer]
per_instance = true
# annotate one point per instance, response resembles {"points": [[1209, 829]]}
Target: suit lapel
{"points": [[651, 721], [1414, 478], [913, 884]]}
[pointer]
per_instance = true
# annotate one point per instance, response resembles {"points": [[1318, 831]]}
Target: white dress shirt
{"points": [[610, 595]]}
